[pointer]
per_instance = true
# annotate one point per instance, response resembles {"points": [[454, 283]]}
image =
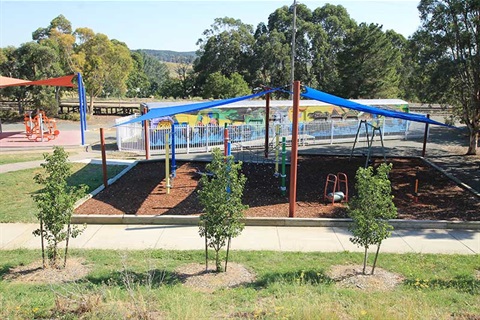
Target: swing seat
{"points": [[337, 196]]}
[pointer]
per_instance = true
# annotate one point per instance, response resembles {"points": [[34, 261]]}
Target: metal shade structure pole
{"points": [[425, 138], [294, 153], [294, 31], [104, 158], [146, 136], [267, 123], [174, 161], [82, 107]]}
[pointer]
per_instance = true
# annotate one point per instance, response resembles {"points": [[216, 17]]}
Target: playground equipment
{"points": [[283, 188], [376, 126], [415, 190], [277, 146], [333, 190], [39, 127]]}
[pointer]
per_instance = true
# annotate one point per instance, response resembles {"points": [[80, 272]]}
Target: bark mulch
{"points": [[142, 191]]}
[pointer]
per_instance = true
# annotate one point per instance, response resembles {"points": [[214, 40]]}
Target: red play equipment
{"points": [[333, 190], [39, 127]]}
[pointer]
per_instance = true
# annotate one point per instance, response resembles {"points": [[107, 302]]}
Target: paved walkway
{"points": [[305, 239]]}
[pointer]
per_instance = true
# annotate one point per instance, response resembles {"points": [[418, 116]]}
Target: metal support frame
{"points": [[369, 140]]}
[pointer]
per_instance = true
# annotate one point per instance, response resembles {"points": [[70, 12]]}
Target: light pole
{"points": [[294, 31]]}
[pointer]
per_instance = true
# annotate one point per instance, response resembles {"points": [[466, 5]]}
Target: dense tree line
{"points": [[333, 53], [171, 56]]}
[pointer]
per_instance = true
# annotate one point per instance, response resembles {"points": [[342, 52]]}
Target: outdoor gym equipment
{"points": [[333, 190], [39, 127]]}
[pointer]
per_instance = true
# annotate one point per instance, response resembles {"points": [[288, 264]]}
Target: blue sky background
{"points": [[177, 25]]}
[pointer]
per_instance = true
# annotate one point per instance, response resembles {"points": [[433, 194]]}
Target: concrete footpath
{"points": [[304, 239]]}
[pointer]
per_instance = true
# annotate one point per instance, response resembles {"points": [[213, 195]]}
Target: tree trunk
{"points": [[43, 243], [473, 143], [376, 256], [365, 260], [90, 105], [20, 107], [57, 99], [206, 249], [228, 249], [66, 245], [217, 260]]}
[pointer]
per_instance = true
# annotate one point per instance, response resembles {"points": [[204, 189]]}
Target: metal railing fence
{"points": [[130, 137]]}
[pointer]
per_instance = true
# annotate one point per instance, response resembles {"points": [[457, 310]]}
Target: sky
{"points": [[177, 25]]}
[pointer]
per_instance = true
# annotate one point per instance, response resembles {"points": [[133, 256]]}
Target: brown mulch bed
{"points": [[75, 269], [351, 276], [195, 276], [142, 191]]}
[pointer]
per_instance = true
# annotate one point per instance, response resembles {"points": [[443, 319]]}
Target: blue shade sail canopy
{"points": [[331, 99], [169, 111]]}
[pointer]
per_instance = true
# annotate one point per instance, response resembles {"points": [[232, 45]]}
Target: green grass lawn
{"points": [[23, 157], [16, 188], [288, 286], [20, 157]]}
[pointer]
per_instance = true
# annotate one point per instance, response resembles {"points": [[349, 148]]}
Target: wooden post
{"points": [[267, 123], [104, 158], [294, 153], [425, 137]]}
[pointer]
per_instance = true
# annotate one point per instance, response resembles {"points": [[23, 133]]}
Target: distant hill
{"points": [[171, 56]]}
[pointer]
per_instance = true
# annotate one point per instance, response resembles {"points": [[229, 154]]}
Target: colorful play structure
{"points": [[39, 127]]}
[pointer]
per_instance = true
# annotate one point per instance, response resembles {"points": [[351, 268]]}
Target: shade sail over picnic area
{"points": [[10, 82], [65, 81]]}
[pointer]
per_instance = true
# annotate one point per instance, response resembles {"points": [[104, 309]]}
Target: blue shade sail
{"points": [[168, 111], [331, 99]]}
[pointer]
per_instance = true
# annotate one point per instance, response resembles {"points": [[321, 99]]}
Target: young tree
{"points": [[221, 197], [55, 205], [371, 208]]}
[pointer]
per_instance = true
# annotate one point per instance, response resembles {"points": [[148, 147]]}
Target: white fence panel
{"points": [[130, 137]]}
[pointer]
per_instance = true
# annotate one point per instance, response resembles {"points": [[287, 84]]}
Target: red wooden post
{"points": [[225, 141], [104, 158], [267, 123], [294, 153]]}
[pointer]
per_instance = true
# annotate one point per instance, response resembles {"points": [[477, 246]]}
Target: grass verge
{"points": [[8, 158], [16, 187], [118, 287]]}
